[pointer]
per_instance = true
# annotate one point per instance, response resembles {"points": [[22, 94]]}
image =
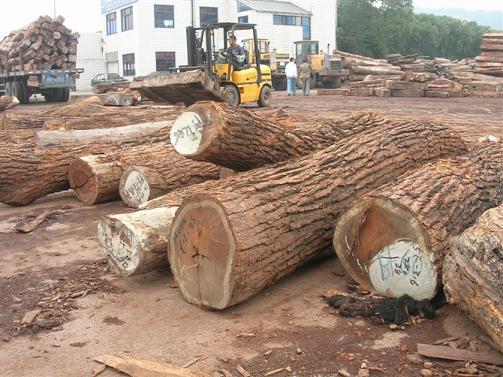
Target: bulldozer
{"points": [[327, 69], [240, 82]]}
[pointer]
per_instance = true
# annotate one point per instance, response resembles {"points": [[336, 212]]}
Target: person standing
{"points": [[291, 77], [305, 76]]}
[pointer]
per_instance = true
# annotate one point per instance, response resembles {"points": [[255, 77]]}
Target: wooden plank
{"points": [[449, 353]]}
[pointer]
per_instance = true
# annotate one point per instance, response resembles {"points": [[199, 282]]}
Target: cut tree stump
{"points": [[96, 178], [246, 232], [240, 140], [473, 272], [38, 165], [394, 240], [135, 243], [8, 102]]}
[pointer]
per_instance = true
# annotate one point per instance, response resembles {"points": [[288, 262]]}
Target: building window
{"points": [[306, 28], [111, 23], [128, 65], [164, 61], [164, 16], [127, 18], [243, 7], [208, 15], [243, 19], [286, 20]]}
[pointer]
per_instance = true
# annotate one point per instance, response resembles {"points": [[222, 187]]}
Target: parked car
{"points": [[104, 78]]}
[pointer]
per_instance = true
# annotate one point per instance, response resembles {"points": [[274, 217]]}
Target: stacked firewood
{"points": [[44, 44], [490, 61]]}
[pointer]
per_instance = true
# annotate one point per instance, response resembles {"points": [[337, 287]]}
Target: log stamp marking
{"points": [[186, 133], [136, 188]]}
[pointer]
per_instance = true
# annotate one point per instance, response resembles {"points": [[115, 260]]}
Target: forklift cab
{"points": [[303, 49], [241, 81]]}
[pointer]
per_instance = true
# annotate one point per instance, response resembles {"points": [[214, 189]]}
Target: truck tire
{"points": [[17, 90], [64, 94], [26, 92], [332, 84], [231, 95], [52, 95], [265, 96], [279, 83], [300, 84]]}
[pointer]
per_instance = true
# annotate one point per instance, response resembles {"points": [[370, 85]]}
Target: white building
{"points": [[90, 57], [142, 36]]}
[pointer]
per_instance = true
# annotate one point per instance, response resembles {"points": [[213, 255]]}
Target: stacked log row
{"points": [[34, 164], [248, 231], [360, 66], [490, 60], [394, 240], [44, 44], [473, 272], [96, 178]]}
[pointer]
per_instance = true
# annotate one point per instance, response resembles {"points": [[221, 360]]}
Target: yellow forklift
{"points": [[241, 82]]}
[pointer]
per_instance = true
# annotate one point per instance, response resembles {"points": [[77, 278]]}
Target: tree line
{"points": [[379, 27]]}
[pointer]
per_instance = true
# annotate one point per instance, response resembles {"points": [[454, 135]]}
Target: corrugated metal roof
{"points": [[274, 6]]}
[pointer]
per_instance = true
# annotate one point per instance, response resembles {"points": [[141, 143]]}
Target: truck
{"points": [[53, 84]]}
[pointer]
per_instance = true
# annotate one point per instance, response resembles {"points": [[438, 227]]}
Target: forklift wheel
{"points": [[231, 95], [265, 97]]}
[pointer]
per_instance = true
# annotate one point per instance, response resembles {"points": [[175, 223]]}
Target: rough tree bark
{"points": [[96, 178], [135, 243], [37, 166], [241, 140], [394, 240], [8, 102], [473, 272], [248, 231]]}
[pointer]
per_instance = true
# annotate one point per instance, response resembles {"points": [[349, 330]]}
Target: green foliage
{"points": [[380, 27]]}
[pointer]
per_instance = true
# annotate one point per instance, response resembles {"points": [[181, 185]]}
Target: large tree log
{"points": [[473, 272], [136, 243], [248, 231], [394, 240], [96, 178], [240, 140], [140, 184], [8, 102], [38, 166]]}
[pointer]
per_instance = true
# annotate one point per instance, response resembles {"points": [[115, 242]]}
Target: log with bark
{"points": [[240, 140], [8, 102], [244, 233], [473, 272], [135, 243], [96, 178], [38, 165], [394, 240], [139, 184]]}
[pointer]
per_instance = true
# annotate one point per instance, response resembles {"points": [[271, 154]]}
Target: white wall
{"points": [[90, 58]]}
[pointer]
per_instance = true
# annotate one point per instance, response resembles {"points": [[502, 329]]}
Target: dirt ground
{"points": [[85, 311]]}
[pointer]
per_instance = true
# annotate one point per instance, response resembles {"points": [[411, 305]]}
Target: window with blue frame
{"points": [[127, 18], [164, 16], [306, 28], [243, 19], [111, 23], [208, 15], [279, 19]]}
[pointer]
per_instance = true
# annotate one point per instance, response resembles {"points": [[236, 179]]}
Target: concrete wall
{"points": [[90, 57]]}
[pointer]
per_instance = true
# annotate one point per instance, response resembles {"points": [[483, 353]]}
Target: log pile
{"points": [[43, 44], [361, 66], [490, 60]]}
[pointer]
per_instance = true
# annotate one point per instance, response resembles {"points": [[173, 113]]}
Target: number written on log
{"points": [[402, 268], [119, 246], [136, 187], [186, 133]]}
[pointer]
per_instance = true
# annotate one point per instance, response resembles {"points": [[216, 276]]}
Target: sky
{"points": [[85, 16]]}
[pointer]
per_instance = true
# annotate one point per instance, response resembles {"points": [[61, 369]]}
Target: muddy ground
{"points": [[57, 272]]}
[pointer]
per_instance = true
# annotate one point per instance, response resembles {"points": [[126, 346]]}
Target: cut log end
{"points": [[83, 181], [203, 270], [384, 248], [187, 133], [140, 184]]}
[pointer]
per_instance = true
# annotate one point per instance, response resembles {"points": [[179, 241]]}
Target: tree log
{"points": [[38, 166], [473, 272], [240, 140], [135, 243], [96, 178], [140, 184], [8, 102], [248, 231], [394, 240]]}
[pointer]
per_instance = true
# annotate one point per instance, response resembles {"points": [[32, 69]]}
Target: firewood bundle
{"points": [[44, 44], [490, 60]]}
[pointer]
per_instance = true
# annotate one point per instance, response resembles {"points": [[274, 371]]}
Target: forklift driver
{"points": [[235, 53]]}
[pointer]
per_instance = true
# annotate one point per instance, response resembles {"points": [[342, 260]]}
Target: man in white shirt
{"points": [[291, 77]]}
